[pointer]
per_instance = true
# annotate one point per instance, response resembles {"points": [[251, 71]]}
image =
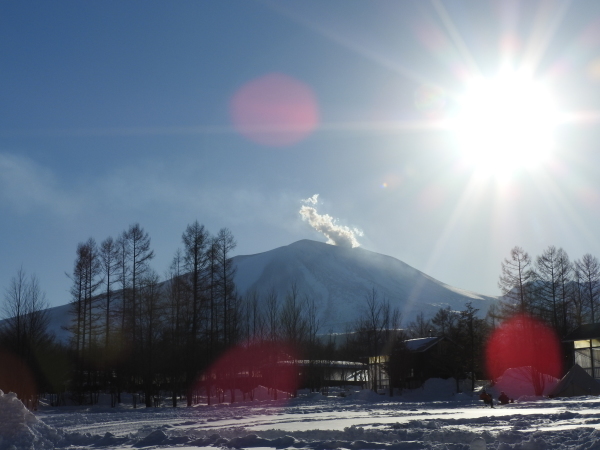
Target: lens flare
{"points": [[275, 110], [16, 376], [524, 342], [258, 370]]}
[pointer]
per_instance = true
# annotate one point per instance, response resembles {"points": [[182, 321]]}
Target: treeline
{"points": [[133, 331], [563, 294]]}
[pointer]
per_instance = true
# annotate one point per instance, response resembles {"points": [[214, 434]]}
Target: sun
{"points": [[505, 124]]}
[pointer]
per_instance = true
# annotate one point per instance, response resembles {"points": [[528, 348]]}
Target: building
{"points": [[423, 358], [586, 348]]}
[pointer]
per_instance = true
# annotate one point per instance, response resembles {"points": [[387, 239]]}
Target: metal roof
{"points": [[422, 344], [587, 331]]}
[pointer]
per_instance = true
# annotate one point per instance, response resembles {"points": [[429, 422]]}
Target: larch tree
{"points": [[151, 313], [577, 298], [84, 326], [516, 283], [226, 285], [565, 288], [176, 312], [122, 309], [140, 255], [109, 268], [548, 286], [589, 269], [136, 253], [195, 241]]}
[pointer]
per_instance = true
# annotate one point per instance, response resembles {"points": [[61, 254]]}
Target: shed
{"points": [[576, 381]]}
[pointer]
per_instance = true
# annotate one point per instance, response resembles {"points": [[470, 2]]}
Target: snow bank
{"points": [[516, 383], [20, 429], [433, 389]]}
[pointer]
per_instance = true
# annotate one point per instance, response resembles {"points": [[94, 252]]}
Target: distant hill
{"points": [[339, 279]]}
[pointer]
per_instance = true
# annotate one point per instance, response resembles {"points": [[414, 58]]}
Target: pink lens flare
{"points": [[524, 342], [252, 371], [275, 110]]}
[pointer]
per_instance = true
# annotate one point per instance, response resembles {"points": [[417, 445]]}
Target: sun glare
{"points": [[505, 124]]}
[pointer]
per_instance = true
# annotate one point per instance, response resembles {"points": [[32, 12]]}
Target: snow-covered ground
{"points": [[429, 418]]}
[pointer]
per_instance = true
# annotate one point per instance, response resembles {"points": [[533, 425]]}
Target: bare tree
{"points": [[140, 255], [565, 288], [14, 310], [25, 330], [420, 327], [548, 285], [25, 309], [225, 244], [516, 283], [577, 297], [294, 325], [254, 325], [151, 314], [85, 326], [444, 320], [272, 314], [588, 268], [376, 333], [175, 311], [195, 240], [109, 267]]}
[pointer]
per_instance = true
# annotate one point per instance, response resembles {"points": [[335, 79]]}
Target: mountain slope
{"points": [[339, 279]]}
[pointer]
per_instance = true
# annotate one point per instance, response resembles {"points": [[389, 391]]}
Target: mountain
{"points": [[339, 279]]}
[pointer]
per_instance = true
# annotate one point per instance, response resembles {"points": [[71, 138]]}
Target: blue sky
{"points": [[116, 112]]}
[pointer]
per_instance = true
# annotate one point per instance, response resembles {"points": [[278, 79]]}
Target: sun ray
{"points": [[547, 22], [457, 39], [345, 41], [461, 209], [562, 208]]}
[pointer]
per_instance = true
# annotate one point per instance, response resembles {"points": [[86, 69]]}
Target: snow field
{"points": [[427, 418]]}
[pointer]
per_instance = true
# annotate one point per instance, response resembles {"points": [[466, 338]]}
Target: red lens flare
{"points": [[255, 371], [524, 342], [15, 376], [275, 110]]}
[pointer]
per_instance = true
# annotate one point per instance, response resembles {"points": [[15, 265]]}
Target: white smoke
{"points": [[312, 200], [340, 235]]}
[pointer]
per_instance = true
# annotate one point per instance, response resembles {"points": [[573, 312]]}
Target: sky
{"points": [[398, 125]]}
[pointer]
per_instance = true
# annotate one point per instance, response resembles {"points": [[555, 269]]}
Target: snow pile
{"points": [[20, 429], [516, 383], [433, 389]]}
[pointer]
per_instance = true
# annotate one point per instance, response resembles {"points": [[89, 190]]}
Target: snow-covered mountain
{"points": [[339, 279]]}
